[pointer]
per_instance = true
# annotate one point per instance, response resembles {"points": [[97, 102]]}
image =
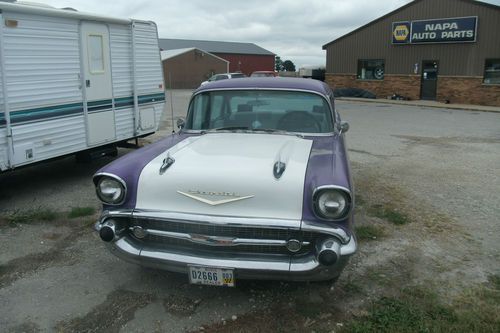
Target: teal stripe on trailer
{"points": [[77, 108], [46, 112]]}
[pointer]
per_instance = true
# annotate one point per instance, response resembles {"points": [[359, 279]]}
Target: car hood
{"points": [[228, 174]]}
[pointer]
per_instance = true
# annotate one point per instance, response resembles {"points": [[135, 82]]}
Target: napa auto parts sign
{"points": [[449, 30]]}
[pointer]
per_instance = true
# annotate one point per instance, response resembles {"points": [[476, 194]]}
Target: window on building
{"points": [[371, 69], [492, 71]]}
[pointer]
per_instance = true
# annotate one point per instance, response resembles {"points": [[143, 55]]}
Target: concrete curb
{"points": [[433, 104]]}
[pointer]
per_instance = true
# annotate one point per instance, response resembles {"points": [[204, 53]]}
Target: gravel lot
{"points": [[439, 168]]}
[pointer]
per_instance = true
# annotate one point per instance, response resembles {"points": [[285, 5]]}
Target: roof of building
{"points": [[397, 10], [168, 54], [213, 46], [269, 83]]}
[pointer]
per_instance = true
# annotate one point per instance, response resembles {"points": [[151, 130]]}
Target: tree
{"points": [[289, 66], [278, 64]]}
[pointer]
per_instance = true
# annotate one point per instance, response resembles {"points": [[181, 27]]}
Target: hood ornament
{"points": [[278, 169], [167, 163], [201, 196]]}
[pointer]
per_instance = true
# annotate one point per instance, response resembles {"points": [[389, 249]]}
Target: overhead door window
{"points": [[96, 56], [492, 71], [371, 69]]}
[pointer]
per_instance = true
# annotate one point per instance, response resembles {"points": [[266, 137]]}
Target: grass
{"points": [[81, 211], [420, 310], [368, 232], [388, 213], [19, 217]]}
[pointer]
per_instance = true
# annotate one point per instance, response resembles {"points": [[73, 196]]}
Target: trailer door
{"points": [[97, 83]]}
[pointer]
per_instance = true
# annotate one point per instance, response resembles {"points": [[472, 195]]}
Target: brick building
{"points": [[444, 50], [242, 57]]}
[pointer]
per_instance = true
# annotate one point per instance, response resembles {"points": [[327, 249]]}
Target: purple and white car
{"points": [[255, 185]]}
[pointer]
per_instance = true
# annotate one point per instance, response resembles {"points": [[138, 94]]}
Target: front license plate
{"points": [[211, 276]]}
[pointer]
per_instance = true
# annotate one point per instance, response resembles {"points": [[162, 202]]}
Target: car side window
{"points": [[221, 77]]}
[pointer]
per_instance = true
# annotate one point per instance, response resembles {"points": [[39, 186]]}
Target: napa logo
{"points": [[400, 32]]}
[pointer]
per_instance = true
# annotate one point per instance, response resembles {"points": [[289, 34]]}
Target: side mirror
{"points": [[180, 123], [344, 126]]}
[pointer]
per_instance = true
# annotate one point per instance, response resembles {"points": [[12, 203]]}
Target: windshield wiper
{"points": [[230, 128], [267, 130], [272, 130]]}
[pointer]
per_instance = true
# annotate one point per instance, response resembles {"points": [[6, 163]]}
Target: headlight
{"points": [[110, 190], [331, 203]]}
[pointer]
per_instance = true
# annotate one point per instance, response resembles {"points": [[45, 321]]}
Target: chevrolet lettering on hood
{"points": [[203, 197], [255, 184]]}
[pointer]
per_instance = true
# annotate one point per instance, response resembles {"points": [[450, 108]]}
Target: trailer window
{"points": [[96, 56]]}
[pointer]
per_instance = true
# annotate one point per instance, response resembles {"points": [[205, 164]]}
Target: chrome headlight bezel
{"points": [[113, 182], [321, 212]]}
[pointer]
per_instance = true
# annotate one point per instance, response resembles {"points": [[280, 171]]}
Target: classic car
{"points": [[255, 185], [224, 76]]}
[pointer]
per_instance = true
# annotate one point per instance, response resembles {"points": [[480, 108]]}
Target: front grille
{"points": [[223, 231]]}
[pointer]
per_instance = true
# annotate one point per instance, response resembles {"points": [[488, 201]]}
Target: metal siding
{"points": [[3, 148], [121, 65], [42, 68], [50, 138], [149, 67], [42, 61], [374, 41], [149, 71]]}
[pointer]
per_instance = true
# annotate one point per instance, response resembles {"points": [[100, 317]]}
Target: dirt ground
{"points": [[427, 214]]}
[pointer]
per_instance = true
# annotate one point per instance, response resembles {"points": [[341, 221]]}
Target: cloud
{"points": [[294, 30]]}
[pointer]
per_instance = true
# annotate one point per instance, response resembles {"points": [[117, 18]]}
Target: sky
{"points": [[295, 30]]}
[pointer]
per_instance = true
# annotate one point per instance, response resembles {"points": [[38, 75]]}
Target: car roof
{"points": [[268, 83]]}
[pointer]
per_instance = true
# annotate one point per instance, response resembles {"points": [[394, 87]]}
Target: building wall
{"points": [[375, 41], [461, 65], [460, 90], [248, 63], [404, 85], [188, 70]]}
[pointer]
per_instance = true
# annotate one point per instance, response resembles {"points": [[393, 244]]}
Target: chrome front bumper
{"points": [[304, 267]]}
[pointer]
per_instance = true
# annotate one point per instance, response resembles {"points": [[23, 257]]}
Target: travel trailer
{"points": [[73, 82]]}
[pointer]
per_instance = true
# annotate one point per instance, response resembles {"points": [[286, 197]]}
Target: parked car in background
{"points": [[224, 76], [255, 185], [264, 74]]}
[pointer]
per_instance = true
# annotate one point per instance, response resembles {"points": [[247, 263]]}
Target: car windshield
{"points": [[262, 75], [265, 110], [237, 75]]}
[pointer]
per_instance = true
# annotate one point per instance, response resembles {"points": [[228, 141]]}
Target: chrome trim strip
{"points": [[219, 240], [299, 268], [310, 226], [320, 228], [218, 220]]}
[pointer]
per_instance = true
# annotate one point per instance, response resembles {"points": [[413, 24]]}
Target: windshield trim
{"points": [[325, 97]]}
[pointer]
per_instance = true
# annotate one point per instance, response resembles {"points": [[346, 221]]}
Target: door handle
{"points": [[87, 83]]}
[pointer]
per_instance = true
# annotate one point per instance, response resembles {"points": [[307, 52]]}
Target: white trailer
{"points": [[73, 82]]}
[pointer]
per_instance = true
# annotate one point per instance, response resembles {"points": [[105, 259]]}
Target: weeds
{"points": [[388, 213], [19, 217], [80, 212], [420, 310], [368, 232]]}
